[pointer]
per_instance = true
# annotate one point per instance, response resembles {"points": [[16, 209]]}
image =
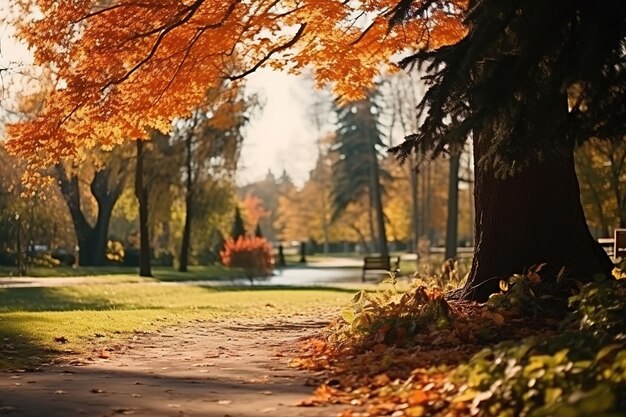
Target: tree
{"points": [[211, 139], [509, 87], [141, 193], [601, 167], [452, 225], [130, 67], [253, 212], [403, 92], [356, 171], [108, 172], [239, 229]]}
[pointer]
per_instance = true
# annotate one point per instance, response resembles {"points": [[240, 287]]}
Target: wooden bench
{"points": [[378, 264], [615, 246], [608, 244]]}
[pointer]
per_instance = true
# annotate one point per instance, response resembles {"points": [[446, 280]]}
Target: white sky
{"points": [[281, 137]]}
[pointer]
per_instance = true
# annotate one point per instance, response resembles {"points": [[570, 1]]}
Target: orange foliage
{"points": [[127, 67], [253, 211], [251, 253]]}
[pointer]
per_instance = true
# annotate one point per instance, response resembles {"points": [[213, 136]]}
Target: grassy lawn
{"points": [[213, 272], [98, 316]]}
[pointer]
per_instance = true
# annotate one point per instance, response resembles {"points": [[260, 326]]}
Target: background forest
{"points": [[356, 200]]}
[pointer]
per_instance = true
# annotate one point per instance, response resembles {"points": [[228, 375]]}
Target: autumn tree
{"points": [[601, 167], [506, 84], [102, 178], [253, 212], [130, 67], [44, 218], [211, 139]]}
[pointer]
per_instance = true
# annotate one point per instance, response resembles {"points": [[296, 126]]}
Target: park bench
{"points": [[379, 264], [615, 246]]}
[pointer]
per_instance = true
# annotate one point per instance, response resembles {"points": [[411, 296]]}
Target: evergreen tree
{"points": [[357, 172], [257, 231], [526, 97], [238, 230]]}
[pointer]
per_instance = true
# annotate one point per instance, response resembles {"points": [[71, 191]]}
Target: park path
{"points": [[209, 369]]}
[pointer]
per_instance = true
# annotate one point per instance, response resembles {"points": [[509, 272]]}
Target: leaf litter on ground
{"points": [[396, 354]]}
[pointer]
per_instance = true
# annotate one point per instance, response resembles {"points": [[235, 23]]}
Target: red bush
{"points": [[252, 254]]}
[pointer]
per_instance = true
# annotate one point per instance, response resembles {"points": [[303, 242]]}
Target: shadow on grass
{"points": [[262, 288], [50, 299], [20, 350]]}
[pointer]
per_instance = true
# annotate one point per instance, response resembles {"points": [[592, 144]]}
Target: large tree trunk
{"points": [[532, 217], [452, 225], [141, 193]]}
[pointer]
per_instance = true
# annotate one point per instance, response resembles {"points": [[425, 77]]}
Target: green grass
{"points": [[212, 272], [102, 315]]}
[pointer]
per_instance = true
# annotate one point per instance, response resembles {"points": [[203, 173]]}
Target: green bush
{"points": [[578, 373]]}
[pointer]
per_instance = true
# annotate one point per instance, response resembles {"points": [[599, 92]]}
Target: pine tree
{"points": [[357, 172], [238, 230], [525, 96]]}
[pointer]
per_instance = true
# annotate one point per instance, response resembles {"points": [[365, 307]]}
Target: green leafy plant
{"points": [[600, 307], [535, 292], [577, 373], [391, 316], [448, 276]]}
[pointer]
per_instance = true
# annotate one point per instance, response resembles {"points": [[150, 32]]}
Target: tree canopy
{"points": [[512, 76], [125, 67]]}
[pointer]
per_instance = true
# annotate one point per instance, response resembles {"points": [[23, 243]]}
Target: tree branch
{"points": [[279, 48]]}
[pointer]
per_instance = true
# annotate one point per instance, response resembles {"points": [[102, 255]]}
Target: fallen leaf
{"points": [[418, 397]]}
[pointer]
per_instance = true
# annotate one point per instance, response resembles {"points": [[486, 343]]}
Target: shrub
{"points": [[392, 317], [115, 251], [252, 254], [577, 373]]}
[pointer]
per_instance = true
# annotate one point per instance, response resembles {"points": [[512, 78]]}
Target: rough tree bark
{"points": [[532, 217]]}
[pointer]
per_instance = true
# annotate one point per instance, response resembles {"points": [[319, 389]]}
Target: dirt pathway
{"points": [[236, 369]]}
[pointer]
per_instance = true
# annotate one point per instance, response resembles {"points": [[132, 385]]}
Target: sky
{"points": [[281, 137]]}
